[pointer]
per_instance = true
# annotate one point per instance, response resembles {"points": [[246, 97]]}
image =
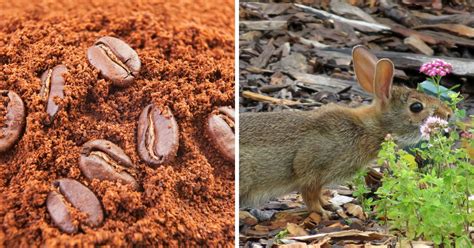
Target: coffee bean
{"points": [[116, 60], [52, 82], [104, 160], [70, 193], [220, 131], [157, 136], [13, 120]]}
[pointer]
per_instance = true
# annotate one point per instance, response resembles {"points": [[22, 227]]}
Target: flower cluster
{"points": [[467, 135], [431, 125], [436, 67]]}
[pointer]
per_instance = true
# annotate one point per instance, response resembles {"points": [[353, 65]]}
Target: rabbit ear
{"points": [[364, 67], [383, 80]]}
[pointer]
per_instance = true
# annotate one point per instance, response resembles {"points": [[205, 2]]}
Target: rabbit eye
{"points": [[416, 107]]}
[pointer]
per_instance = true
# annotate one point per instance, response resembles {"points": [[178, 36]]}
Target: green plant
{"points": [[431, 201], [281, 235], [361, 190]]}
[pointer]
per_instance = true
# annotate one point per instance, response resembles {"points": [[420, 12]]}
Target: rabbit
{"points": [[304, 151]]}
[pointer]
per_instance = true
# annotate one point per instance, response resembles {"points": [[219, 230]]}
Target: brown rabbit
{"points": [[302, 151]]}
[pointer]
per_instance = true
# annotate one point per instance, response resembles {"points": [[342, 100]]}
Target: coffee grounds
{"points": [[187, 52]]}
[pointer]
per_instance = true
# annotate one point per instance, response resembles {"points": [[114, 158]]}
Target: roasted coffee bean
{"points": [[116, 60], [52, 82], [70, 193], [13, 120], [104, 160], [157, 136], [220, 131]]}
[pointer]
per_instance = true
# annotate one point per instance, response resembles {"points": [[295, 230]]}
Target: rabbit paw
{"points": [[325, 215]]}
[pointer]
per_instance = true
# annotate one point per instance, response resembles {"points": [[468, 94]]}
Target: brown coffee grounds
{"points": [[187, 52]]}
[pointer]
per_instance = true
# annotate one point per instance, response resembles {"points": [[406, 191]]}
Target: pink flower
{"points": [[436, 67], [431, 125], [467, 135]]}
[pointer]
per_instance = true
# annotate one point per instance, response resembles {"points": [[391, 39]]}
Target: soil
{"points": [[187, 54]]}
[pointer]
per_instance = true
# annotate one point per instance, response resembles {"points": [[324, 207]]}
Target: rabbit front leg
{"points": [[310, 165], [323, 201], [313, 199]]}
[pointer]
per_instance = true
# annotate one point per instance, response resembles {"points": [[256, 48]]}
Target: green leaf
{"points": [[436, 239], [455, 87], [463, 242], [410, 160]]}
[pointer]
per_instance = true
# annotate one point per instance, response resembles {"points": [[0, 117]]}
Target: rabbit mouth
{"points": [[408, 139]]}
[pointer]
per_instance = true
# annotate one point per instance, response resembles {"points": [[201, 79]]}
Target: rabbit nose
{"points": [[444, 113], [450, 118]]}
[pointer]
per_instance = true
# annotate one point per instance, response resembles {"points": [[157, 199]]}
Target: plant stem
{"points": [[439, 142], [437, 79], [467, 205]]}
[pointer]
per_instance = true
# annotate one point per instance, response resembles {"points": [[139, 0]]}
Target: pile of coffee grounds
{"points": [[187, 52]]}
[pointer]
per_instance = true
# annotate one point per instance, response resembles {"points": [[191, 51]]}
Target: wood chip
{"points": [[341, 7], [459, 29], [355, 210], [315, 217], [354, 234], [263, 98], [464, 67], [250, 36], [275, 8], [262, 25], [325, 83], [414, 244], [341, 213], [410, 32], [246, 218], [466, 19], [262, 60], [359, 25], [295, 245], [415, 43], [449, 38], [397, 13], [340, 200], [296, 230], [307, 42], [257, 70]]}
